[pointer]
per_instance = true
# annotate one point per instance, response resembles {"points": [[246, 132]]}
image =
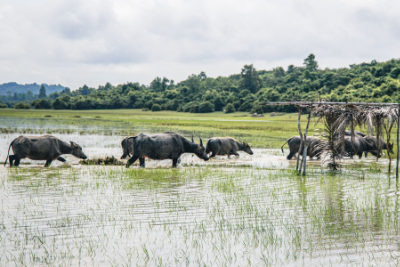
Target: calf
{"points": [[226, 146]]}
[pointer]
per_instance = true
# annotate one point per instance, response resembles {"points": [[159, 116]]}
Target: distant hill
{"points": [[23, 88]]}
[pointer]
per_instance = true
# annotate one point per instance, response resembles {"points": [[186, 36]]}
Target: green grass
{"points": [[196, 216], [263, 132]]}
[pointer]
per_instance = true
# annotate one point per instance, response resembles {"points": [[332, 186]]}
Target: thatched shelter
{"points": [[337, 116]]}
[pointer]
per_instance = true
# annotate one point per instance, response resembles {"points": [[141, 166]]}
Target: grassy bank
{"points": [[263, 132]]}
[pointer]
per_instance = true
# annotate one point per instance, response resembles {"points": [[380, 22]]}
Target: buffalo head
{"points": [[77, 150], [200, 151], [390, 145], [247, 149]]}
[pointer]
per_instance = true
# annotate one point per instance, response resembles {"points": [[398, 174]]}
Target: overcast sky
{"points": [[74, 42]]}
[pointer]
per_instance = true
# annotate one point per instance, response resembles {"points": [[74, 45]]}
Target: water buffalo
{"points": [[373, 143], [166, 145], [348, 133], [226, 146], [358, 147], [313, 149], [127, 146], [46, 147]]}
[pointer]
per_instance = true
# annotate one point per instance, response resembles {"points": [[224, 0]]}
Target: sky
{"points": [[92, 42]]}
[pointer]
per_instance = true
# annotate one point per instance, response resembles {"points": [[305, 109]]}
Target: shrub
{"points": [[58, 103], [42, 104], [82, 104], [156, 107], [3, 106], [22, 105], [229, 108], [206, 107]]}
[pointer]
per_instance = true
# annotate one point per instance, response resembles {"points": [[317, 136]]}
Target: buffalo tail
{"points": [[5, 162], [285, 144]]}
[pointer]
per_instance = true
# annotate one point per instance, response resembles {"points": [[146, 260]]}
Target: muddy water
{"points": [[251, 210]]}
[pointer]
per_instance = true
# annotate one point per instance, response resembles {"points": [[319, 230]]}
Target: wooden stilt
{"points": [[398, 127], [301, 138], [389, 132], [304, 159]]}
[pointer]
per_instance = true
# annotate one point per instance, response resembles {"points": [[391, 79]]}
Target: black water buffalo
{"points": [[226, 146], [348, 133], [127, 146], [166, 145], [373, 143], [46, 147], [358, 147], [313, 149]]}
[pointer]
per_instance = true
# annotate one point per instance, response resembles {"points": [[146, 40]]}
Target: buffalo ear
{"points": [[73, 145], [201, 141]]}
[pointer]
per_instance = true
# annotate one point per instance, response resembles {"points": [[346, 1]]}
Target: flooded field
{"points": [[246, 211]]}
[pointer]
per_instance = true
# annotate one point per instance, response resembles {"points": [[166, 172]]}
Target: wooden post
{"points": [[301, 138], [398, 126], [304, 159], [387, 145]]}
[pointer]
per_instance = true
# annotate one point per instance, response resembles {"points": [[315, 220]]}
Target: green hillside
{"points": [[367, 82]]}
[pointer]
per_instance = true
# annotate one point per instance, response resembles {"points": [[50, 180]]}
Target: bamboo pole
{"points": [[318, 103], [304, 158], [398, 127], [301, 138], [387, 147]]}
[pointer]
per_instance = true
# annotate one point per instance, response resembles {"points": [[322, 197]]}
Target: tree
{"points": [[85, 90], [310, 63], [290, 69], [229, 108], [249, 79], [42, 92], [22, 105], [279, 72], [193, 82], [156, 107], [206, 107], [66, 91], [202, 75]]}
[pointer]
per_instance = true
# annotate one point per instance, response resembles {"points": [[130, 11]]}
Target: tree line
{"points": [[365, 82]]}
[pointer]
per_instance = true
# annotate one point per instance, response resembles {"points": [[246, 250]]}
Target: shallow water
{"points": [[251, 210]]}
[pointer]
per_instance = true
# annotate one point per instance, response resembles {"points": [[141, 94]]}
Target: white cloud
{"points": [[93, 42]]}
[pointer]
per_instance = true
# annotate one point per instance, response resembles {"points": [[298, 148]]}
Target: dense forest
{"points": [[366, 82]]}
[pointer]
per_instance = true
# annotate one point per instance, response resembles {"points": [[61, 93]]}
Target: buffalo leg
{"points": [[17, 161], [61, 159], [174, 162], [131, 161], [12, 158], [291, 154], [48, 162], [142, 162]]}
